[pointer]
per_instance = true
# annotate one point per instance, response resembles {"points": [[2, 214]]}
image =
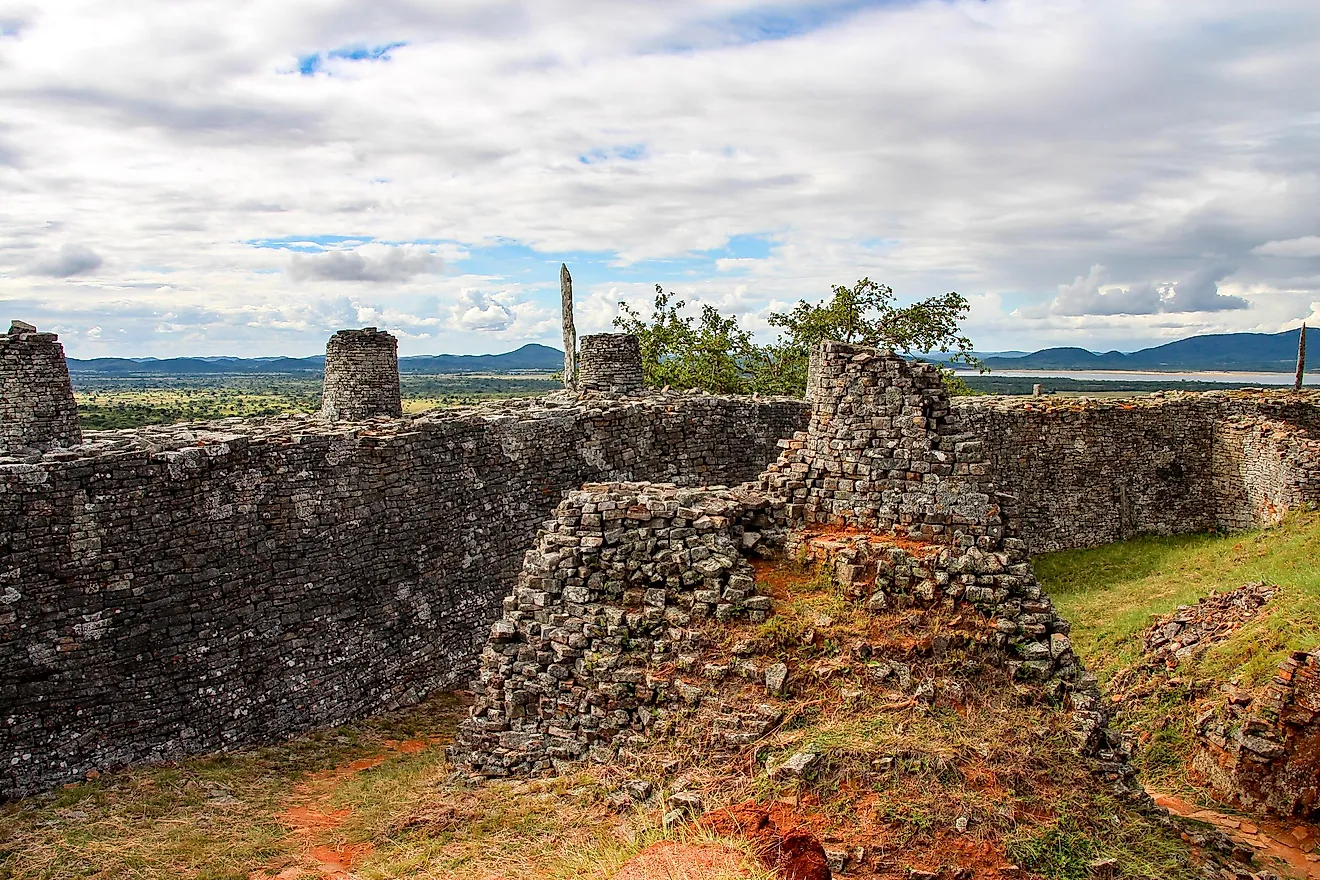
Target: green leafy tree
{"points": [[866, 314], [710, 351]]}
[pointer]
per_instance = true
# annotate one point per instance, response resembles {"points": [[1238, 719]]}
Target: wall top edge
{"points": [[221, 436]]}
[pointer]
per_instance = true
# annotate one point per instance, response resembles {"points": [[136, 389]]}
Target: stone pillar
{"points": [[36, 397], [610, 363], [361, 376]]}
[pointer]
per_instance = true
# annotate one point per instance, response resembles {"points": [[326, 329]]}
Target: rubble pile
{"points": [[1190, 630]]}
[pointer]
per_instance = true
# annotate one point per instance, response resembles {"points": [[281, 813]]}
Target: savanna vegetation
{"points": [[712, 352]]}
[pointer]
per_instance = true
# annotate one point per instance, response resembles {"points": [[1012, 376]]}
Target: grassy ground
{"points": [[1112, 594], [132, 402], [895, 776]]}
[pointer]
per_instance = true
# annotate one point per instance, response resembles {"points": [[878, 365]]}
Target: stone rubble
{"points": [[1262, 751], [1192, 629]]}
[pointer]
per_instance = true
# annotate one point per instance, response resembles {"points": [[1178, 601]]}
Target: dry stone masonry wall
{"points": [[181, 589], [615, 589], [610, 363], [36, 400], [361, 376], [196, 587], [883, 488], [1088, 472]]}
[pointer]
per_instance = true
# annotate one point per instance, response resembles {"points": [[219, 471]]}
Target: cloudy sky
{"points": [[181, 177]]}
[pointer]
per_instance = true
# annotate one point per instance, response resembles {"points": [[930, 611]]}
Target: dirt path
{"points": [[312, 821], [1290, 847]]}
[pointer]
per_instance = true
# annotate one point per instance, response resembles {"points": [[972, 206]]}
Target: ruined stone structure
{"points": [[610, 363], [1088, 472], [1262, 751], [361, 376], [36, 400], [179, 589], [188, 588], [590, 652]]}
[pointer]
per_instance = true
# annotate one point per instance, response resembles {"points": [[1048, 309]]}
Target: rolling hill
{"points": [[531, 357], [1247, 352]]}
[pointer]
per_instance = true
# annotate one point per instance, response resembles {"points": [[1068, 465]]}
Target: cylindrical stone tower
{"points": [[611, 363], [36, 397], [361, 376]]}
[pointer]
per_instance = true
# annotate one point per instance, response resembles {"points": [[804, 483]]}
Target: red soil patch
{"points": [[309, 816], [829, 533], [1296, 844], [783, 839], [667, 860]]}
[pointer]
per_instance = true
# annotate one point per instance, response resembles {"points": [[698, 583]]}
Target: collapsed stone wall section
{"points": [[1261, 751], [586, 656], [882, 489], [37, 410], [361, 376]]}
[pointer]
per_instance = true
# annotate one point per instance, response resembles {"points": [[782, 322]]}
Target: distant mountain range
{"points": [[531, 357], [1245, 352], [1242, 352]]}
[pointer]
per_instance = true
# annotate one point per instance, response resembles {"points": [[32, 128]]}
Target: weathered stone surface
{"points": [[181, 589], [361, 376], [37, 411], [1085, 472], [883, 486], [610, 363], [613, 592], [1263, 751]]}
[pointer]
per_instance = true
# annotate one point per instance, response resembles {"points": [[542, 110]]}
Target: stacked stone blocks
{"points": [[885, 491], [37, 410], [361, 376], [615, 589], [610, 363]]}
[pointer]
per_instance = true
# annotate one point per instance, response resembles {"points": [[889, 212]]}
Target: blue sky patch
{"points": [[314, 63], [310, 244], [626, 152]]}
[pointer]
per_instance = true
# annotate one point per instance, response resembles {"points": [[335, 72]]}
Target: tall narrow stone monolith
{"points": [[570, 331], [36, 398], [361, 376]]}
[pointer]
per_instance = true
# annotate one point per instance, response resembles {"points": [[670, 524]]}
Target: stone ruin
{"points": [[610, 363], [1262, 751], [37, 410], [599, 646], [361, 376], [178, 589]]}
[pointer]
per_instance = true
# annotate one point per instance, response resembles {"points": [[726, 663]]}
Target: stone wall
{"points": [[882, 489], [1261, 750], [881, 453], [1085, 472], [188, 588], [36, 399], [610, 363], [616, 587], [361, 376]]}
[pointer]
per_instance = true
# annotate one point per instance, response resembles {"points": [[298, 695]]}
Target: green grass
{"points": [[1111, 594], [105, 403]]}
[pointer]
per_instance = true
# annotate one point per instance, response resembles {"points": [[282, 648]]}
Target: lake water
{"points": [[1118, 376]]}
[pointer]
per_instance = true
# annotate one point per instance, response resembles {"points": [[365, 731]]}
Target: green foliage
{"points": [[865, 314], [712, 352]]}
